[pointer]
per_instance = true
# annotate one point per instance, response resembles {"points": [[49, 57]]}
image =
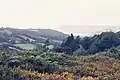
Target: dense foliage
{"points": [[59, 66], [89, 45]]}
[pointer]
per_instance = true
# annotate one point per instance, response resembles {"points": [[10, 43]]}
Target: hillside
{"points": [[12, 35]]}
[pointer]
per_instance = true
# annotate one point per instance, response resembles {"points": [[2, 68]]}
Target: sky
{"points": [[83, 17]]}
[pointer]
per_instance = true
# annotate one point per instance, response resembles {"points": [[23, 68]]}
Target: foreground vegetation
{"points": [[33, 65]]}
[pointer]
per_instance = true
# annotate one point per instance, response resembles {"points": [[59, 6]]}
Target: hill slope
{"points": [[13, 35]]}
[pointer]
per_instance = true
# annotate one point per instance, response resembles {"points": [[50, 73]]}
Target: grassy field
{"points": [[26, 46]]}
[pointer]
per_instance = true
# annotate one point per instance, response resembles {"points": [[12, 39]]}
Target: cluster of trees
{"points": [[89, 45], [69, 45]]}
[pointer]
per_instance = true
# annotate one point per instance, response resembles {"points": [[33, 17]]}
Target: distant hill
{"points": [[13, 35]]}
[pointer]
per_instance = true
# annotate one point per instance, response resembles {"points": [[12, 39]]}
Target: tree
{"points": [[80, 51], [68, 41], [86, 42], [47, 42], [71, 43], [92, 50], [107, 40], [76, 44]]}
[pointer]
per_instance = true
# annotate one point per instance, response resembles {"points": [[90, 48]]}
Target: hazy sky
{"points": [[61, 14]]}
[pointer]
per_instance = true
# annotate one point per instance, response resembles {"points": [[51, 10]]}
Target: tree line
{"points": [[89, 45]]}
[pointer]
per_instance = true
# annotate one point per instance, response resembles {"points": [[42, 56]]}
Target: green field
{"points": [[26, 46]]}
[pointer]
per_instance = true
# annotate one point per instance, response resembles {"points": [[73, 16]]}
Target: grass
{"points": [[26, 46]]}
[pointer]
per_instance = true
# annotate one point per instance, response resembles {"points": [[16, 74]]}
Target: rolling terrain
{"points": [[14, 36]]}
